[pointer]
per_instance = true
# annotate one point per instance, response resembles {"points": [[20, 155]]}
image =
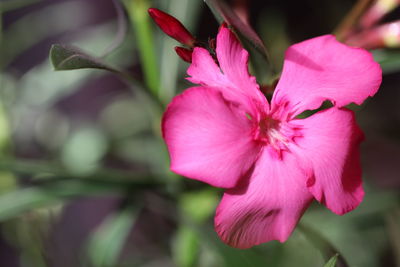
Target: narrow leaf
{"points": [[17, 202], [14, 203], [57, 172], [107, 241], [186, 247], [389, 59], [6, 6], [392, 225], [229, 256], [332, 261], [224, 13], [66, 57], [122, 26], [320, 242]]}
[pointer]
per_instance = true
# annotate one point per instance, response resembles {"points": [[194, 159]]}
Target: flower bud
{"points": [[386, 35], [184, 53], [172, 27], [377, 11], [391, 34], [212, 43]]}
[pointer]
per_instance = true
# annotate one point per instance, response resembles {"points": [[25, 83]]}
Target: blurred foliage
{"points": [[108, 239], [93, 132], [332, 261]]}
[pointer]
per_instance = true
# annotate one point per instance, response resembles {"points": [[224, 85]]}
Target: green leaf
{"points": [[66, 57], [332, 261], [393, 223], [105, 244], [10, 5], [8, 182], [199, 205], [5, 141], [324, 245], [52, 192], [224, 13], [16, 202], [389, 59], [227, 255], [52, 171], [186, 247]]}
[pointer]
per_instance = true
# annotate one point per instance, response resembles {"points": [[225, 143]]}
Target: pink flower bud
{"points": [[184, 53], [172, 27], [377, 11], [386, 35], [370, 39], [391, 34]]}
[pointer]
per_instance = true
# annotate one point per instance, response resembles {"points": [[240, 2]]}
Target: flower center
{"points": [[269, 132], [275, 134]]}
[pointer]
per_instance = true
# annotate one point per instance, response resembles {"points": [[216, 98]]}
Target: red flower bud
{"points": [[212, 43], [172, 27], [184, 53]]}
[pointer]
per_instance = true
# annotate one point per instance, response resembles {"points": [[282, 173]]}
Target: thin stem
{"points": [[322, 244], [351, 19], [137, 10], [186, 11], [5, 135], [1, 25]]}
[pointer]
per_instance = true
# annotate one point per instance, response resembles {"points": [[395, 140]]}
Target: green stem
{"points": [[350, 20], [137, 10], [1, 24], [322, 244], [146, 91], [187, 12], [5, 136]]}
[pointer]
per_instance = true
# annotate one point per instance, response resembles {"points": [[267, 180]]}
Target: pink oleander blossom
{"points": [[272, 164]]}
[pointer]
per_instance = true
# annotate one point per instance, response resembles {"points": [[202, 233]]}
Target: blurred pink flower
{"points": [[377, 11], [225, 133], [385, 35]]}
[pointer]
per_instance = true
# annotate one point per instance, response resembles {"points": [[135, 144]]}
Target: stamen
{"points": [[275, 134]]}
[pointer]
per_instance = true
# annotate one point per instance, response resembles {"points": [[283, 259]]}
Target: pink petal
{"points": [[208, 138], [323, 69], [330, 147], [233, 60], [268, 207], [232, 76], [204, 71]]}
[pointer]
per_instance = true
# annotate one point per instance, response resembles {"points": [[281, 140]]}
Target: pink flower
{"points": [[225, 133]]}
